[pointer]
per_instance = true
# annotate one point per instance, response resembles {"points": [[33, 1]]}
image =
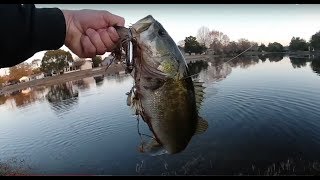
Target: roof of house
{"points": [[24, 77]]}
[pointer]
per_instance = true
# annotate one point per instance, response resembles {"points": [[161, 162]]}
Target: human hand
{"points": [[91, 32]]}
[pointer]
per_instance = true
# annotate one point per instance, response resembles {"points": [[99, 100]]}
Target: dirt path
{"points": [[47, 81]]}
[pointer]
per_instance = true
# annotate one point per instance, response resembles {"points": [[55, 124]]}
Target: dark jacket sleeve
{"points": [[26, 30]]}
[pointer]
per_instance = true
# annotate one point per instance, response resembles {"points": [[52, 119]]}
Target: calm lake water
{"points": [[260, 110]]}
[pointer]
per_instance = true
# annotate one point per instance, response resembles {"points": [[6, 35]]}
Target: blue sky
{"points": [[260, 23]]}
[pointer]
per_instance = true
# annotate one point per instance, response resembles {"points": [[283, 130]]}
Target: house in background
{"points": [[82, 64], [31, 77], [87, 64], [36, 76], [24, 79]]}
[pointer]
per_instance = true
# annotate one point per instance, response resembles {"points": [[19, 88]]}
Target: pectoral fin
{"points": [[153, 148], [129, 100]]}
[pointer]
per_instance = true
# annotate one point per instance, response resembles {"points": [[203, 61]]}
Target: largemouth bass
{"points": [[164, 95]]}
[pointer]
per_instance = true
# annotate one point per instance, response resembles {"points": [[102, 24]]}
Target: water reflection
{"points": [[209, 71], [298, 62], [270, 109], [3, 99], [22, 98], [216, 69], [272, 57], [315, 65], [62, 97], [244, 61], [262, 57], [27, 96], [196, 67], [85, 83], [99, 80], [119, 78]]}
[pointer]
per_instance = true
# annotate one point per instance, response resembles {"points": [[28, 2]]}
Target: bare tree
{"points": [[231, 48], [225, 40], [243, 44], [203, 36], [217, 47], [255, 46], [215, 36], [219, 37]]}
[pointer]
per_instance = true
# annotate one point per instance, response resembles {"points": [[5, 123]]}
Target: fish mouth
{"points": [[137, 28], [143, 24]]}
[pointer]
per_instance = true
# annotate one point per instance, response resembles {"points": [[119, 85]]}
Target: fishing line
{"points": [[141, 134], [224, 62], [111, 61]]}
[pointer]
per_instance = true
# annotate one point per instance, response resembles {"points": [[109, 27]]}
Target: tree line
{"points": [[220, 44]]}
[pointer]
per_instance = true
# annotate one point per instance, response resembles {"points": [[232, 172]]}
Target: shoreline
{"points": [[51, 80], [116, 69]]}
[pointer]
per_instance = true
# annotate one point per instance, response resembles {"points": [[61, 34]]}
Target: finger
{"points": [[96, 41], [88, 48], [113, 34], [113, 19], [105, 36]]}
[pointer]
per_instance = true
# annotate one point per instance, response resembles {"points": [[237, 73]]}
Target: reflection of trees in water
{"points": [[217, 68], [99, 80], [315, 65], [81, 84], [209, 71], [3, 99], [196, 67], [119, 78], [62, 97], [84, 83], [273, 57], [243, 61], [298, 62], [262, 57], [25, 97], [22, 99]]}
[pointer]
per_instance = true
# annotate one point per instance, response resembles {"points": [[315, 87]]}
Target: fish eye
{"points": [[161, 32]]}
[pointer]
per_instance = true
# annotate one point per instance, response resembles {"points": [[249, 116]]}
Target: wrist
{"points": [[68, 20]]}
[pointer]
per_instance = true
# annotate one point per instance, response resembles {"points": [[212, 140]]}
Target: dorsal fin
{"points": [[199, 93], [202, 125]]}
